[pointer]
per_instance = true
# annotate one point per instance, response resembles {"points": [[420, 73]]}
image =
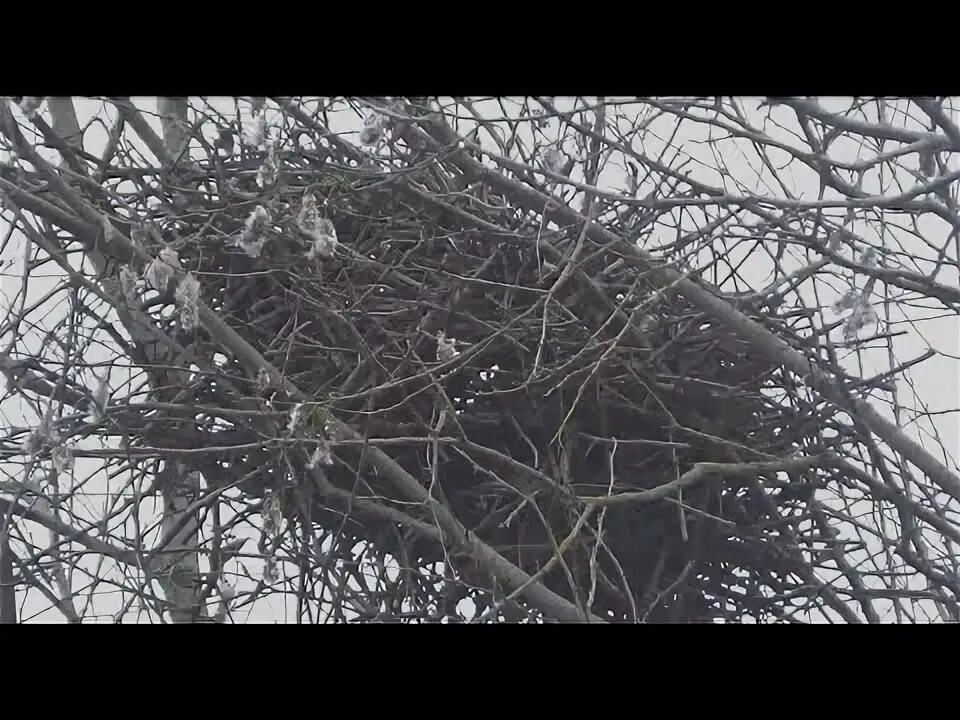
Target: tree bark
{"points": [[173, 121], [178, 582], [182, 584], [8, 596]]}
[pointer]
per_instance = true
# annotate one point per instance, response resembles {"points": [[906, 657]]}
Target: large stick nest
{"points": [[512, 391]]}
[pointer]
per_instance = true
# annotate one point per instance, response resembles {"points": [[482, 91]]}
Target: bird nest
{"points": [[522, 375]]}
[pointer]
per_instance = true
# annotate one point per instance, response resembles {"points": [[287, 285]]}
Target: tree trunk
{"points": [[182, 585], [8, 596], [173, 121], [178, 581], [179, 562]]}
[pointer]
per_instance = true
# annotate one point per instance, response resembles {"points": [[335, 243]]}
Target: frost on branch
{"points": [[446, 347], [267, 174], [162, 269], [33, 443], [307, 217], [271, 573], [170, 257], [320, 456], [227, 591], [271, 516], [296, 418], [858, 301], [553, 160], [128, 284], [862, 316], [372, 128], [257, 104], [262, 382], [62, 458], [320, 230], [138, 236], [847, 301], [101, 398], [43, 435], [324, 240], [30, 104], [255, 131], [225, 142], [187, 297], [254, 236], [101, 393]]}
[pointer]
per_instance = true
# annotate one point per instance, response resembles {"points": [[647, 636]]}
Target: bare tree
{"points": [[478, 360]]}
